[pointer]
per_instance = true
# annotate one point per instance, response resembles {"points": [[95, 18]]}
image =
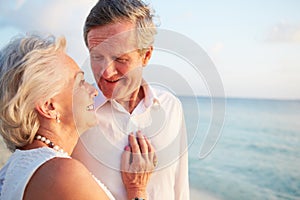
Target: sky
{"points": [[254, 45]]}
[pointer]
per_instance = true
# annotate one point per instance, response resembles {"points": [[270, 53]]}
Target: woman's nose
{"points": [[93, 90]]}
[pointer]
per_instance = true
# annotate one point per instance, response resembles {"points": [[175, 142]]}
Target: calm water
{"points": [[258, 154]]}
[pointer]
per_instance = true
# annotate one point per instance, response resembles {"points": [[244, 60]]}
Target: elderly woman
{"points": [[45, 105]]}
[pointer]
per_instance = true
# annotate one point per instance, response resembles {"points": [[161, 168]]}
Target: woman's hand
{"points": [[138, 163]]}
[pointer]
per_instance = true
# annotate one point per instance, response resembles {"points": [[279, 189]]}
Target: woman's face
{"points": [[83, 103], [77, 98]]}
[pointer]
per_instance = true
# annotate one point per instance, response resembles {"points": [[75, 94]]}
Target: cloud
{"points": [[284, 32], [19, 3], [44, 15], [48, 16], [217, 48]]}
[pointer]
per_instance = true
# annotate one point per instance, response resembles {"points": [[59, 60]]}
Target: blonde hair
{"points": [[29, 74]]}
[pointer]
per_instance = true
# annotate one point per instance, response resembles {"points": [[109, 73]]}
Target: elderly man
{"points": [[119, 35]]}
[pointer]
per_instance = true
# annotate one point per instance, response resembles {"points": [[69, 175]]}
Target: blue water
{"points": [[257, 155]]}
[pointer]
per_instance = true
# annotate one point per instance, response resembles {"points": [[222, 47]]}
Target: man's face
{"points": [[116, 62]]}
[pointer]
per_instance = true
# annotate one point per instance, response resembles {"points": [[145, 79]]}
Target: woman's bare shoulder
{"points": [[63, 178]]}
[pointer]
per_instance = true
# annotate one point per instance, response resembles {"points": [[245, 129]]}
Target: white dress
{"points": [[20, 167]]}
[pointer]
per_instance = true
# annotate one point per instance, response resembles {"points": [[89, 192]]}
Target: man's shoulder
{"points": [[165, 96]]}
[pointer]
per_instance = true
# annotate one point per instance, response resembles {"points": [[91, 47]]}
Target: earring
{"points": [[57, 118]]}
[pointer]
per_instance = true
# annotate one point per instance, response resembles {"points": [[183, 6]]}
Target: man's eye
{"points": [[121, 60], [96, 57]]}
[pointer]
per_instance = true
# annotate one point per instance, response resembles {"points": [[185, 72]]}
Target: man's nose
{"points": [[110, 69]]}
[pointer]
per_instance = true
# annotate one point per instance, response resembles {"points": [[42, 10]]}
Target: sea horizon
{"points": [[240, 98]]}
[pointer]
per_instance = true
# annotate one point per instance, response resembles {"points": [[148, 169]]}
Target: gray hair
{"points": [[112, 11], [28, 75]]}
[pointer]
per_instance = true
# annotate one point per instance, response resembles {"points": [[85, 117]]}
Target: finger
{"points": [[134, 144], [142, 143], [151, 150], [149, 145], [151, 155], [125, 162]]}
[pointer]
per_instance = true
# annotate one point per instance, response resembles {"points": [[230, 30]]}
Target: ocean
{"points": [[257, 155]]}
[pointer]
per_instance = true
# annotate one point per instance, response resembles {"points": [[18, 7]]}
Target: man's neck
{"points": [[134, 100]]}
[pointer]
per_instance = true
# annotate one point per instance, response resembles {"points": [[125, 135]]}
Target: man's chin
{"points": [[109, 92], [112, 95]]}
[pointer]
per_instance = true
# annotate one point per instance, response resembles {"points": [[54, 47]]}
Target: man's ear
{"points": [[46, 109], [147, 55]]}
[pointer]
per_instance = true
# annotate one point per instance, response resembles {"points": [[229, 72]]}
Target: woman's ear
{"points": [[46, 109], [147, 56]]}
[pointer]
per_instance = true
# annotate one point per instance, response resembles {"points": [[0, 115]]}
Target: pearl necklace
{"points": [[50, 144]]}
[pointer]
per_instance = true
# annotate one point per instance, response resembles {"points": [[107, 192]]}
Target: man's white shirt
{"points": [[160, 118]]}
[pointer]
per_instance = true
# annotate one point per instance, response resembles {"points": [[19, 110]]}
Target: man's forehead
{"points": [[111, 33], [117, 44]]}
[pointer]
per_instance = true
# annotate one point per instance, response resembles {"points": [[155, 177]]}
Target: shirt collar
{"points": [[150, 95]]}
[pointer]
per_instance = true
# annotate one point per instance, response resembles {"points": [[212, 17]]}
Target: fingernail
{"points": [[139, 134], [127, 148], [130, 135], [146, 138]]}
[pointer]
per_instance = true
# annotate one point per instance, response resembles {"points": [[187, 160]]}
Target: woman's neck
{"points": [[61, 138]]}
